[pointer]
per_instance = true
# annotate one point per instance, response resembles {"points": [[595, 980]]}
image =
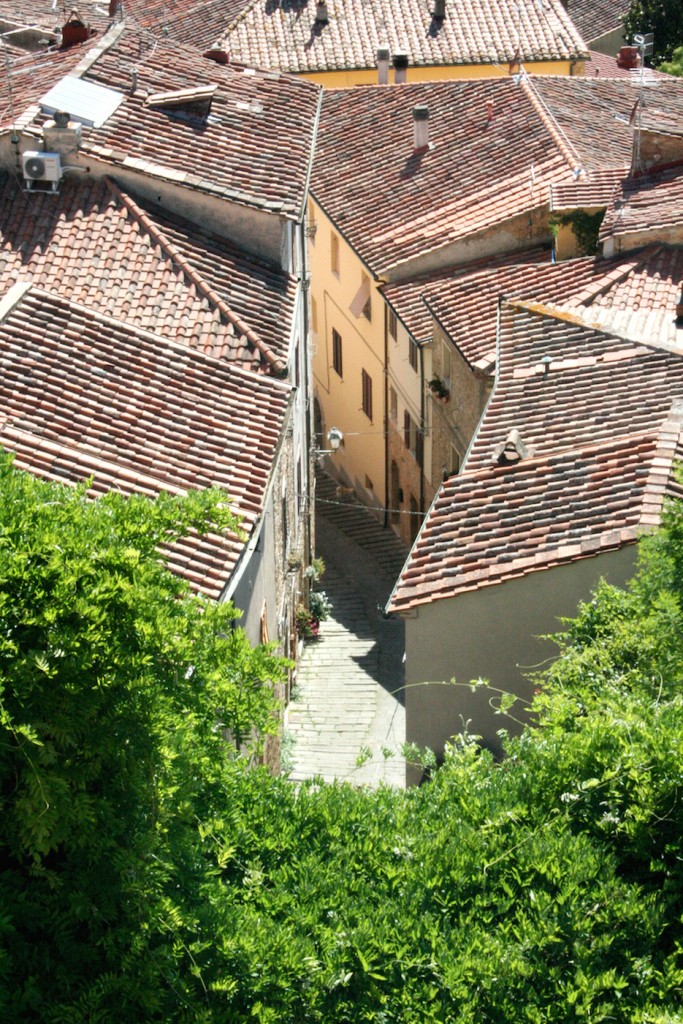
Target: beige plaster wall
{"points": [[492, 633]]}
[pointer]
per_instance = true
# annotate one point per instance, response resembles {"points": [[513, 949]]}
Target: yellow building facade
{"points": [[348, 342], [347, 79]]}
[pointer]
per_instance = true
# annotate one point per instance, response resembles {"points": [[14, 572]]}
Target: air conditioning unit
{"points": [[39, 166]]}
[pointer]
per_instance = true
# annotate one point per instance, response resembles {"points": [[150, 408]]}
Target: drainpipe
{"points": [[423, 427], [386, 416]]}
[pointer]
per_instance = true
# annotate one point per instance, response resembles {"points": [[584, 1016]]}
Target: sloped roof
{"points": [[254, 149], [595, 18], [83, 395], [590, 190], [285, 35], [394, 203], [594, 114], [646, 204], [585, 394], [634, 294], [598, 463], [130, 260], [493, 525]]}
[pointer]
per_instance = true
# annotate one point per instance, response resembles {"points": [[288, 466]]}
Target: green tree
{"points": [[675, 65], [118, 690], [662, 17], [150, 875]]}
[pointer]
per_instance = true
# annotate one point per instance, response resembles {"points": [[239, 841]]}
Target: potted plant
{"points": [[438, 388]]}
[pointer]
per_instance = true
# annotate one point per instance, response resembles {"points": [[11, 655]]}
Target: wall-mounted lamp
{"points": [[334, 439]]}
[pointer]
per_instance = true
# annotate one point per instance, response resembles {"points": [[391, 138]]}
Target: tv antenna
{"points": [[645, 44]]}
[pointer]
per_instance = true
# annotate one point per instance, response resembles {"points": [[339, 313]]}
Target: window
{"points": [[367, 306], [334, 254], [412, 354], [366, 381], [337, 352], [392, 325], [412, 437], [311, 227], [393, 405]]}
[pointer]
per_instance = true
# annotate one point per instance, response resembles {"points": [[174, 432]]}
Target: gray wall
{"points": [[492, 633]]}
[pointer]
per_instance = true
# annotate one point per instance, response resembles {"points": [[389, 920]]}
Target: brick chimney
{"points": [[400, 68], [439, 12], [321, 16], [421, 127], [74, 31], [383, 57]]}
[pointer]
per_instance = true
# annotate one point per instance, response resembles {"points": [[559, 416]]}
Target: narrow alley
{"points": [[346, 720]]}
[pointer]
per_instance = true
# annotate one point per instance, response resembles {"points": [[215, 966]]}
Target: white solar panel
{"points": [[85, 102]]}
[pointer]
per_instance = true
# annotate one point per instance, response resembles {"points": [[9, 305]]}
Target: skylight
{"points": [[86, 102]]}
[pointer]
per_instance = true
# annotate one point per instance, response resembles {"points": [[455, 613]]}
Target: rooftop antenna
{"points": [[645, 44]]}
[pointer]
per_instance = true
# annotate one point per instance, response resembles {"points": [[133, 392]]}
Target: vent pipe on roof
{"points": [[489, 111], [321, 16], [383, 56], [400, 68], [511, 451], [421, 127], [439, 12]]}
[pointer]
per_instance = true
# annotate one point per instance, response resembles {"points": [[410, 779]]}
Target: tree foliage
{"points": [[117, 691], [180, 885], [664, 18]]}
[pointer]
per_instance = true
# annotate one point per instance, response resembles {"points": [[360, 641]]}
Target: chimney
{"points": [[61, 135], [74, 31], [421, 127], [489, 111], [321, 17], [218, 55], [439, 12], [383, 65], [679, 309], [400, 68]]}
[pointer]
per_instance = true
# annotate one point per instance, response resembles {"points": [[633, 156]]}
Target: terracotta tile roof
{"points": [[633, 294], [597, 464], [142, 266], [197, 23], [651, 204], [394, 203], [83, 395], [285, 35], [638, 297], [606, 65], [31, 75], [493, 525], [595, 18], [255, 148], [462, 286], [585, 396], [594, 114], [590, 190]]}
